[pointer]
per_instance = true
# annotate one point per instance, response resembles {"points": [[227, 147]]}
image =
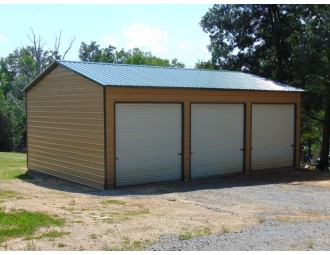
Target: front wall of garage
{"points": [[187, 97]]}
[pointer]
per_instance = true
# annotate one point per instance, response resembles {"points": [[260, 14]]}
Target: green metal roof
{"points": [[121, 75]]}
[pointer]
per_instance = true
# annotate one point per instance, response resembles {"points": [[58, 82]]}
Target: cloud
{"points": [[3, 38], [152, 38], [186, 46], [109, 40]]}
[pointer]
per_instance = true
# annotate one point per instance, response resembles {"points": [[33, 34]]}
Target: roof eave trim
{"points": [[298, 90], [40, 76]]}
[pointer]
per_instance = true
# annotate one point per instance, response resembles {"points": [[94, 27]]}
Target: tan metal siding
{"points": [[188, 96], [65, 123]]}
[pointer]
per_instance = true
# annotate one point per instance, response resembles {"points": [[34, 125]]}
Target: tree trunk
{"points": [[278, 41], [325, 140]]}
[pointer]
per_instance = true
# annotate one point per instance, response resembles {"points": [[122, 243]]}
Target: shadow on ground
{"points": [[261, 178]]}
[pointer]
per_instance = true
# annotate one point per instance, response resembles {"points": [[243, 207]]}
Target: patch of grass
{"points": [[113, 202], [8, 194], [205, 231], [225, 229], [261, 220], [116, 217], [128, 245], [61, 245], [12, 159], [185, 236], [24, 223], [52, 234], [9, 173], [140, 211], [310, 244], [13, 165], [93, 236], [138, 245]]}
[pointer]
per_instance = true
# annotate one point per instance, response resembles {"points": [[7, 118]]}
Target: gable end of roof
{"points": [[48, 70], [40, 76]]}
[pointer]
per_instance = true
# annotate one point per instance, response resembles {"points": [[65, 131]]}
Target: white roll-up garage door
{"points": [[148, 143], [216, 139], [272, 136]]}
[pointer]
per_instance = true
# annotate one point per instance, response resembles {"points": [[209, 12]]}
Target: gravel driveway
{"points": [[282, 210], [294, 215], [271, 235]]}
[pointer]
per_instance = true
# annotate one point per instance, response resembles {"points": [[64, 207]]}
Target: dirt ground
{"points": [[135, 218]]}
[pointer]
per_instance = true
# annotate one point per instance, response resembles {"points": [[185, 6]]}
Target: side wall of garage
{"points": [[187, 97], [65, 128]]}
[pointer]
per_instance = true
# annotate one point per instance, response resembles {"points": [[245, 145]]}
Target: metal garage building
{"points": [[109, 125]]}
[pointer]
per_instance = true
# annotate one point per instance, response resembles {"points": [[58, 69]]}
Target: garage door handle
{"points": [[242, 149], [117, 158], [180, 153], [292, 145]]}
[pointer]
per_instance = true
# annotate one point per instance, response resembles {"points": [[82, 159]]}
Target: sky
{"points": [[168, 31]]}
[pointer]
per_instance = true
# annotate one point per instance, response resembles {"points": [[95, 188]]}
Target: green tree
{"points": [[93, 53], [6, 127], [16, 70], [286, 43], [206, 65], [90, 53], [139, 57], [6, 134], [253, 38], [311, 131], [311, 69], [175, 63]]}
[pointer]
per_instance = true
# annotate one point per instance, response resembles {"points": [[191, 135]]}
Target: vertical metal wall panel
{"points": [[272, 136], [216, 139], [148, 143]]}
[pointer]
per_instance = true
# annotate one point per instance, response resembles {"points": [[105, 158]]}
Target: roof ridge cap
{"points": [[148, 66]]}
